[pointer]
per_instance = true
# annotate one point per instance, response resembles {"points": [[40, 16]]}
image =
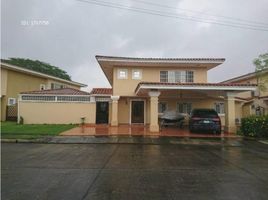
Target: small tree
{"points": [[261, 66]]}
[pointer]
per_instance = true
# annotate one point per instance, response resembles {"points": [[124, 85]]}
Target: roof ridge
{"points": [[55, 90], [159, 58]]}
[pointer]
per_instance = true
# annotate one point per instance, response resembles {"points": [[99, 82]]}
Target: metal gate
{"points": [[12, 113]]}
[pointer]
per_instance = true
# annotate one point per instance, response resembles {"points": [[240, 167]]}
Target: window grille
{"points": [[177, 76], [55, 98]]}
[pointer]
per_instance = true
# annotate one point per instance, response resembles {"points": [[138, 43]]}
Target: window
{"points": [[189, 76], [57, 86], [162, 107], [42, 86], [177, 76], [163, 76], [184, 107], [136, 74], [122, 73], [219, 107], [11, 101]]}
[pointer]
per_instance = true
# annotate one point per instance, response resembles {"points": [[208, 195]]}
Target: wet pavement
{"points": [[134, 171]]}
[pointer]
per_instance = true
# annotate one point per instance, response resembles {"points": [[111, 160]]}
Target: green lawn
{"points": [[12, 130]]}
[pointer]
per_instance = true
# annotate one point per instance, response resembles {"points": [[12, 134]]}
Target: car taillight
{"points": [[217, 119]]}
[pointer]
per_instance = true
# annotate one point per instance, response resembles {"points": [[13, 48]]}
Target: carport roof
{"points": [[62, 91], [195, 86]]}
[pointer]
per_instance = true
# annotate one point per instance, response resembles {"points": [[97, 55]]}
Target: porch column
{"points": [[229, 103], [114, 120], [154, 127], [93, 105]]}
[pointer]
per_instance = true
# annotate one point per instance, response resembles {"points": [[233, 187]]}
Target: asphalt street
{"points": [[134, 171]]}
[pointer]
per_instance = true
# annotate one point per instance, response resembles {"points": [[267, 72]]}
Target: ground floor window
{"points": [[219, 107], [11, 101], [162, 107], [184, 107]]}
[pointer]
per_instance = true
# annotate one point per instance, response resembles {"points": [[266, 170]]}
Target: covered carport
{"points": [[203, 93]]}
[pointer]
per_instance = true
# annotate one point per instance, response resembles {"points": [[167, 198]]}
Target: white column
{"points": [[154, 127], [114, 120], [229, 104]]}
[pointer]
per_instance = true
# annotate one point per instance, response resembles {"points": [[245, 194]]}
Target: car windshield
{"points": [[205, 113]]}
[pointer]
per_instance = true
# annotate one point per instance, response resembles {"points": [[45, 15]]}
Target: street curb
{"points": [[127, 140]]}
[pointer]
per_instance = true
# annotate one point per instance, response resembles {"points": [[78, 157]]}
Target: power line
{"points": [[199, 12], [171, 15]]}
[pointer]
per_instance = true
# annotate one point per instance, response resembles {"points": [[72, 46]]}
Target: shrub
{"points": [[21, 120], [255, 126]]}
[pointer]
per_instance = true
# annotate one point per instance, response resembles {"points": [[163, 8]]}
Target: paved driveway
{"points": [[118, 171]]}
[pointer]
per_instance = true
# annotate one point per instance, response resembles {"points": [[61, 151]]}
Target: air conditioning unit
{"points": [[256, 93]]}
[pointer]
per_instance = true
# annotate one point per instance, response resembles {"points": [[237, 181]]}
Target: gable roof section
{"points": [[244, 77], [108, 62], [63, 91], [196, 86], [101, 91], [39, 74]]}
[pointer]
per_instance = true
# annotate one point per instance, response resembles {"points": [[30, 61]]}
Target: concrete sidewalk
{"points": [[128, 140]]}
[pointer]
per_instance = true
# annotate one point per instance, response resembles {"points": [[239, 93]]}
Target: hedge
{"points": [[255, 126]]}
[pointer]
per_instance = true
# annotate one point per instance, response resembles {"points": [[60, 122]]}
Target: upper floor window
{"points": [[219, 107], [11, 101], [122, 73], [177, 76], [184, 107], [136, 74], [57, 86]]}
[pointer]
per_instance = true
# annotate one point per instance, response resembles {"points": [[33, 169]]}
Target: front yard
{"points": [[12, 130]]}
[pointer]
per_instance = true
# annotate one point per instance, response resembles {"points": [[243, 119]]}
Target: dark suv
{"points": [[205, 120]]}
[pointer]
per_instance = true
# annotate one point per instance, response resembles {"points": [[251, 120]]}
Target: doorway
{"points": [[137, 112], [102, 112]]}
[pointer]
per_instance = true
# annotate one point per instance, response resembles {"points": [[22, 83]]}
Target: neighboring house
{"points": [[15, 79], [254, 102], [142, 89]]}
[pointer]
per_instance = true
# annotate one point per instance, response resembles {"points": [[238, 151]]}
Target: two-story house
{"points": [[142, 89], [15, 79], [252, 102]]}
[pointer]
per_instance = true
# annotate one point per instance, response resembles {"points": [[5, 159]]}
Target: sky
{"points": [[69, 33]]}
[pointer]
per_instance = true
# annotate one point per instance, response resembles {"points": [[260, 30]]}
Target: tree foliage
{"points": [[261, 63], [38, 66], [261, 68]]}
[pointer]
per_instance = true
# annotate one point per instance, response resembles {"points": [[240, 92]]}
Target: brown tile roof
{"points": [[107, 91], [62, 91], [161, 59], [263, 97], [245, 99], [195, 84]]}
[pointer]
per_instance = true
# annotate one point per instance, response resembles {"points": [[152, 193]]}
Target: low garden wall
{"points": [[57, 112]]}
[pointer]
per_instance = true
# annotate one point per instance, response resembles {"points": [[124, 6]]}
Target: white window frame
{"points": [[42, 86], [179, 76], [184, 104], [119, 75], [222, 110], [163, 102], [11, 99], [133, 74]]}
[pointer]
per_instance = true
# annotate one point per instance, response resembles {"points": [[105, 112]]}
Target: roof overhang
{"points": [[144, 87], [108, 62], [38, 74]]}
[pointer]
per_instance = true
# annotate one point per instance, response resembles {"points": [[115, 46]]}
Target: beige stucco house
{"points": [[15, 79], [252, 102], [142, 89]]}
